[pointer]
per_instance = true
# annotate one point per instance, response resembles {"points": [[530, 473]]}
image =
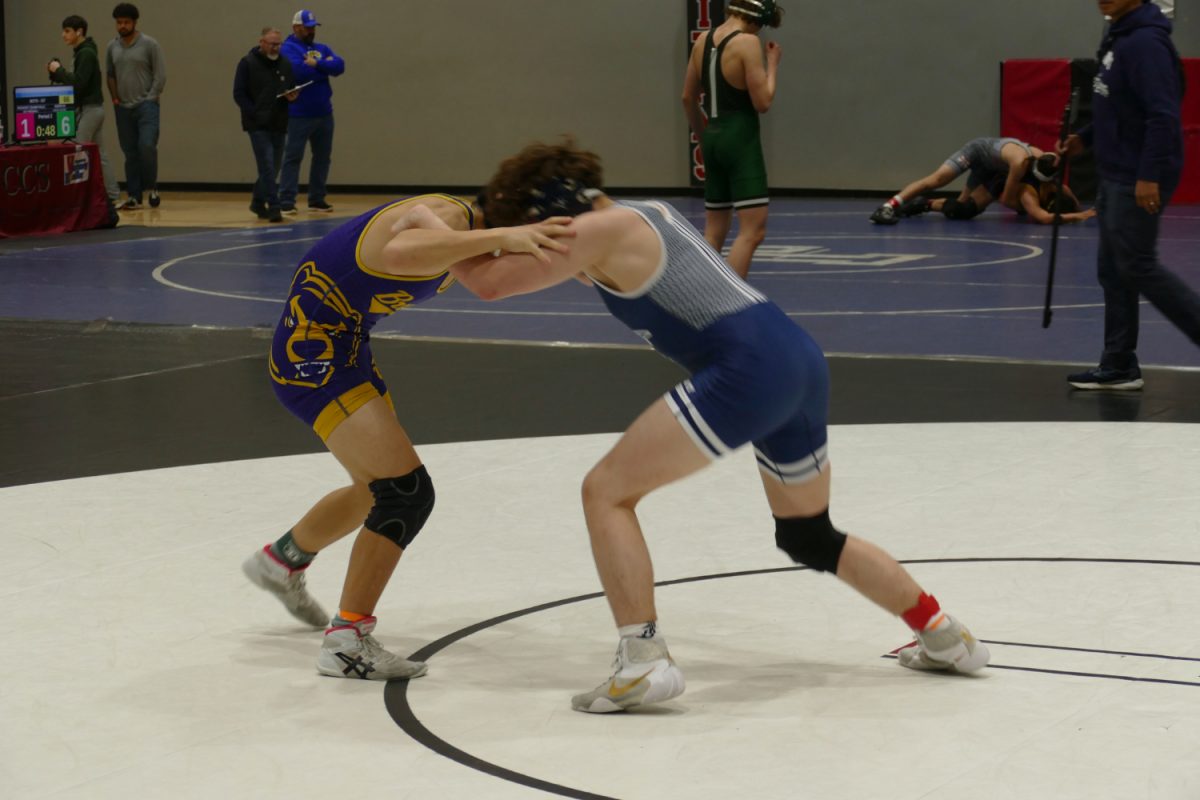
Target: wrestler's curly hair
{"points": [[507, 197]]}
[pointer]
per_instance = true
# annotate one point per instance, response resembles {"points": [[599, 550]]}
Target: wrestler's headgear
{"points": [[763, 12], [560, 197], [1045, 168]]}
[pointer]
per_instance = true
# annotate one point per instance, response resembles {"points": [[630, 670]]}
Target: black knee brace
{"points": [[965, 210], [401, 506], [811, 541]]}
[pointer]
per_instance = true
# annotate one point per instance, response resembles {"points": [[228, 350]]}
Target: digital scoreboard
{"points": [[43, 113]]}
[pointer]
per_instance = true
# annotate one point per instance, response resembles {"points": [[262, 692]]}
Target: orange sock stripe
{"points": [[351, 616]]}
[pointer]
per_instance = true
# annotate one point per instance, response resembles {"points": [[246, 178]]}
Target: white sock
{"points": [[642, 630]]}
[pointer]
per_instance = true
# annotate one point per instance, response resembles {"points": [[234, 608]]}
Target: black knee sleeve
{"points": [[965, 210], [811, 541], [401, 506]]}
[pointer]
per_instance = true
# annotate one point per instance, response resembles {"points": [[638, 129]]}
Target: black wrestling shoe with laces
{"points": [[885, 215]]}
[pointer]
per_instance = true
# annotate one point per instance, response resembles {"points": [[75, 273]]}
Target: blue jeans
{"points": [[302, 130], [1128, 266], [137, 130], [268, 152]]}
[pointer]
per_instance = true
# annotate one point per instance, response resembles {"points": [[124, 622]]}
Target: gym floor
{"points": [[145, 457]]}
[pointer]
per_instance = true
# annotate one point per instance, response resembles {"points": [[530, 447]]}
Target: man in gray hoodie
{"points": [[137, 74]]}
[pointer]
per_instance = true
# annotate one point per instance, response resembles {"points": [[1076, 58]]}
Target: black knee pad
{"points": [[401, 506], [811, 541], [965, 210]]}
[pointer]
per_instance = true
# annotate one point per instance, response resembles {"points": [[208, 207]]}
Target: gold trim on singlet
{"points": [[339, 410], [470, 217]]}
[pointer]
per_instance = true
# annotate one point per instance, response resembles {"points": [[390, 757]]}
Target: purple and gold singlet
{"points": [[321, 364]]}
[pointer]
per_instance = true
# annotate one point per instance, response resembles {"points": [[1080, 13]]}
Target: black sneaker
{"points": [[913, 208], [1107, 378], [287, 211], [154, 199], [259, 210], [273, 214], [885, 215], [320, 205], [130, 204]]}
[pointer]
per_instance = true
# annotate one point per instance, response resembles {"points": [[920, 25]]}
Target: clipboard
{"points": [[293, 89]]}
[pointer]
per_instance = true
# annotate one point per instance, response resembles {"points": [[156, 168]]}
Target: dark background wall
{"points": [[871, 91]]}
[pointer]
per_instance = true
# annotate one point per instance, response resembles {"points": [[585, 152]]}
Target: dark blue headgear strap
{"points": [[560, 197]]}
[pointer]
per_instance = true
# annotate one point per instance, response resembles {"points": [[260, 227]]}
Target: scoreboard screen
{"points": [[43, 113]]}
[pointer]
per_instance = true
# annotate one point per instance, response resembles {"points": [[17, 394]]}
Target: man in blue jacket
{"points": [[1138, 140], [310, 118]]}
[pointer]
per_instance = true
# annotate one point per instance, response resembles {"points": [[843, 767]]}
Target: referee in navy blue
{"points": [[1137, 137]]}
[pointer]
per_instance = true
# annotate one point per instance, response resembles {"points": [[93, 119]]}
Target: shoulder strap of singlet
{"points": [[704, 59], [377, 213], [466, 207], [721, 47], [716, 78]]}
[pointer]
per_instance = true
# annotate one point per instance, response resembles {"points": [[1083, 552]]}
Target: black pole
{"points": [[1069, 114], [3, 80]]}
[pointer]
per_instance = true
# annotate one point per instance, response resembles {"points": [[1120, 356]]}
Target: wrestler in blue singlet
{"points": [[756, 376], [321, 362]]}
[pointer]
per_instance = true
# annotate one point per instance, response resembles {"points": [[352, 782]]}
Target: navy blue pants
{"points": [[1128, 266], [137, 131], [268, 155], [301, 131]]}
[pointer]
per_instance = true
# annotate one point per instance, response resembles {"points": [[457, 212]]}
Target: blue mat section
{"points": [[927, 286]]}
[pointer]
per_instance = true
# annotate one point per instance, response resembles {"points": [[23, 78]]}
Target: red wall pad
{"points": [[1033, 94], [1189, 186]]}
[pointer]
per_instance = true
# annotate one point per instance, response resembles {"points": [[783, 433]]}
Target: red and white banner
{"points": [[703, 16], [52, 188]]}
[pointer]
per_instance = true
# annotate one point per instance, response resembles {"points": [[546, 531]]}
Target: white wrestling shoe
{"points": [[948, 646], [645, 674], [350, 651], [267, 572]]}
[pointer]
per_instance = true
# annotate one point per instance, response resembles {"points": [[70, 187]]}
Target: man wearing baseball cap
{"points": [[310, 118]]}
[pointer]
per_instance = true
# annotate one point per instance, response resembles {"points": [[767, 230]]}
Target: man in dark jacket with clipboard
{"points": [[262, 87]]}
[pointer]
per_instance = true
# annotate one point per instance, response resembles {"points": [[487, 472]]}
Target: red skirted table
{"points": [[52, 188]]}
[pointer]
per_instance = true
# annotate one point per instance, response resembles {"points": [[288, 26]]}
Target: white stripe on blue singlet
{"points": [[682, 418], [680, 401], [795, 471], [685, 228]]}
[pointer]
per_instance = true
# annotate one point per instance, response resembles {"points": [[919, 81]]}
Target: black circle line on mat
{"points": [[395, 693]]}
